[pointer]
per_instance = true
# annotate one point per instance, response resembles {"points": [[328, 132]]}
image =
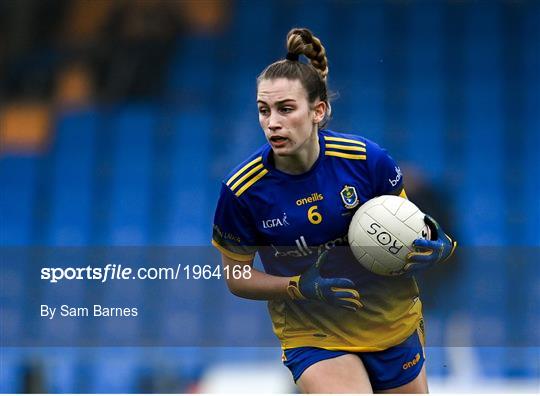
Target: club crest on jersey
{"points": [[349, 197]]}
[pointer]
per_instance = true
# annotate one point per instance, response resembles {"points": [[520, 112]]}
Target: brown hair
{"points": [[312, 76]]}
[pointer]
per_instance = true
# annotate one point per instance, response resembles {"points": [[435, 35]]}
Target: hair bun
{"points": [[301, 41]]}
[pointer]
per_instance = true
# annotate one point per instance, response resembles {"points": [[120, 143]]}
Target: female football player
{"points": [[342, 329]]}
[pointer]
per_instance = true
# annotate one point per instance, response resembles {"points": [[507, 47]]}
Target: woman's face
{"points": [[286, 117]]}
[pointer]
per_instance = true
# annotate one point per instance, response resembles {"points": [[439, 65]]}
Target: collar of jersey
{"points": [[272, 169]]}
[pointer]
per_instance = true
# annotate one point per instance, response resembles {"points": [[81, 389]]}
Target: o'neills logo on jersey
{"points": [[272, 223], [312, 198], [398, 177]]}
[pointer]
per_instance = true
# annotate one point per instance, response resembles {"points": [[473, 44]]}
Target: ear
{"points": [[319, 111]]}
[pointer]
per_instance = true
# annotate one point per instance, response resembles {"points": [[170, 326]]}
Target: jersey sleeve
{"points": [[386, 175], [234, 234]]}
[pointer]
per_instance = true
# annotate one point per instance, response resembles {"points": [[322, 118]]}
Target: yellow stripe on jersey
{"points": [[338, 139], [249, 183], [232, 255], [345, 155], [348, 148], [244, 168], [239, 181]]}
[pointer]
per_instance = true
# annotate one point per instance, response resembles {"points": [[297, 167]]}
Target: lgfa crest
{"points": [[349, 197]]}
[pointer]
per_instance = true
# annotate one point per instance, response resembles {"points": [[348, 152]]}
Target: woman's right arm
{"points": [[309, 285], [258, 286]]}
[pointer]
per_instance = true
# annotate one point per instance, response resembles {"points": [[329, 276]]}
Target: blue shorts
{"points": [[387, 369]]}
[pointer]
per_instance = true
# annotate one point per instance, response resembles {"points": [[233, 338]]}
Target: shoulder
{"points": [[350, 146], [247, 173]]}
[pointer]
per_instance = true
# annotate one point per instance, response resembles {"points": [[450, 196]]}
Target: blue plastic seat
{"points": [[18, 177]]}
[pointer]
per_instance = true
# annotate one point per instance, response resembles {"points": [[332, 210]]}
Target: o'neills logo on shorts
{"points": [[312, 198], [412, 363]]}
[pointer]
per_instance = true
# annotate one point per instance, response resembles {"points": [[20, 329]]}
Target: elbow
{"points": [[236, 292], [238, 285], [235, 287]]}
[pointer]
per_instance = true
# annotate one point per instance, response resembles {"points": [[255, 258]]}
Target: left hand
{"points": [[427, 252]]}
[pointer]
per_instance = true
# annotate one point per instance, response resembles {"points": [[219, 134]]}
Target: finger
{"points": [[427, 249], [413, 256], [350, 303], [422, 243], [419, 253], [341, 282], [454, 246], [421, 257], [345, 293]]}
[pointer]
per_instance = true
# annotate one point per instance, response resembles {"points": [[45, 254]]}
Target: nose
{"points": [[274, 122]]}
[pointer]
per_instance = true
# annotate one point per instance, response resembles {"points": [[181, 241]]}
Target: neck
{"points": [[301, 161]]}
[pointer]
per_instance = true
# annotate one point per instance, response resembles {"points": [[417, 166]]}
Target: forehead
{"points": [[280, 89]]}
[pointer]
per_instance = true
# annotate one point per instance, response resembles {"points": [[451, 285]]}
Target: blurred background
{"points": [[118, 120]]}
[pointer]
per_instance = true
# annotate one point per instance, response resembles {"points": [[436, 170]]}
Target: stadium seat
{"points": [[72, 177], [11, 371], [114, 371], [193, 70], [18, 176], [62, 370], [361, 95], [133, 131], [424, 119], [25, 127], [191, 164], [482, 224]]}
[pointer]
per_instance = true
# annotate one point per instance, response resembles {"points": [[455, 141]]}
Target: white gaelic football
{"points": [[382, 231]]}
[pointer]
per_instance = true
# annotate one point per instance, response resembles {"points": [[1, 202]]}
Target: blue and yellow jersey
{"points": [[290, 219]]}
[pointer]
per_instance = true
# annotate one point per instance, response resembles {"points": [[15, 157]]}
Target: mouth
{"points": [[278, 141]]}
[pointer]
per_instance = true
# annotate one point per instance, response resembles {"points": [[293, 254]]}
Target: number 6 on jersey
{"points": [[314, 217]]}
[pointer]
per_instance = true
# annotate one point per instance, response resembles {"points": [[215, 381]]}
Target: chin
{"points": [[282, 152]]}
